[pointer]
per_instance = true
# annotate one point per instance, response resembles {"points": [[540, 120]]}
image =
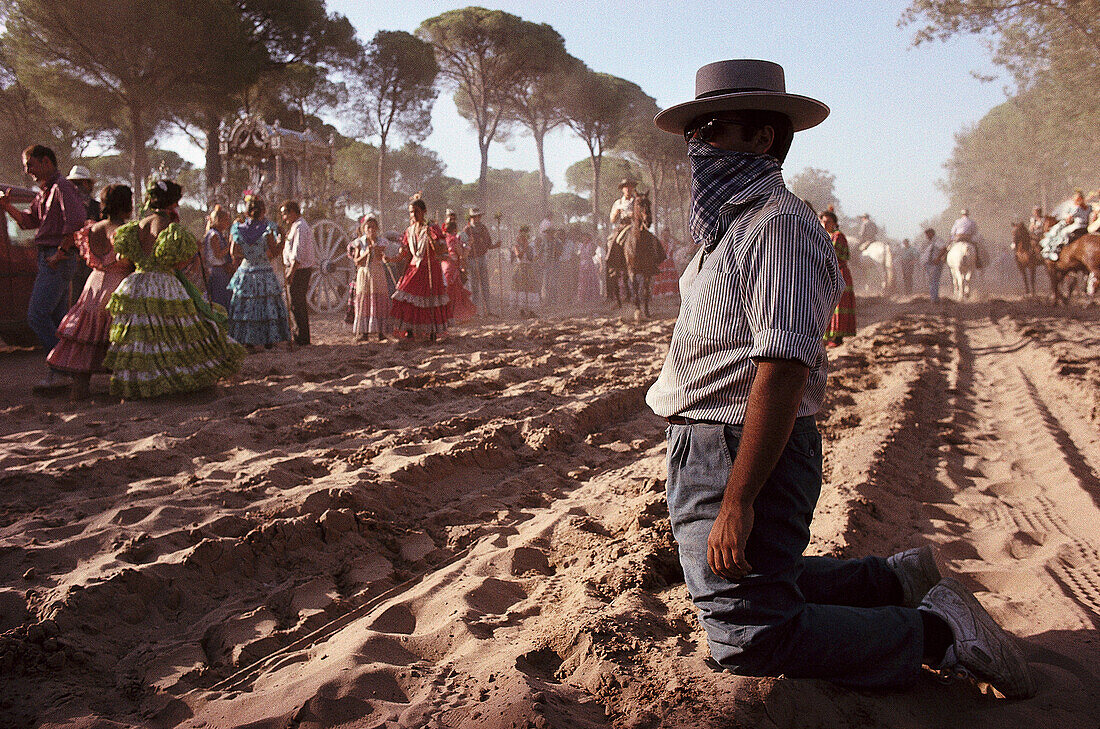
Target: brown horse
{"points": [[644, 253], [1079, 256], [1026, 248]]}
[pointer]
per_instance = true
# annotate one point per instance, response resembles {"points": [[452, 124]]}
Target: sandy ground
{"points": [[474, 534]]}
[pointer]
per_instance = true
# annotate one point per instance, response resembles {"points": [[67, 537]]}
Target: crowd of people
{"points": [[135, 316], [247, 280], [161, 312]]}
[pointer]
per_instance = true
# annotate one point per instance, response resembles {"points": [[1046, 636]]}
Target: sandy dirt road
{"points": [[474, 534]]}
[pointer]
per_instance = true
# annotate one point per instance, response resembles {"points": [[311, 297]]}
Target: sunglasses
{"points": [[707, 130]]}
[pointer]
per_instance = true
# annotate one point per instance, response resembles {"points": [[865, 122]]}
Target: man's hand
{"points": [[56, 258], [727, 541], [769, 418], [5, 199]]}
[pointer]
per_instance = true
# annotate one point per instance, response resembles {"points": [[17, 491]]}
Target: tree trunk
{"points": [[483, 176], [139, 158], [653, 202], [596, 161], [680, 195], [544, 191], [213, 172], [381, 177]]}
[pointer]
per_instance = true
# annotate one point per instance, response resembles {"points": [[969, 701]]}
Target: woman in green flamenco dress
{"points": [[162, 341]]}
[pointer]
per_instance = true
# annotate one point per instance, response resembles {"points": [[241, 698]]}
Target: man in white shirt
{"points": [[965, 229], [868, 231], [299, 260], [623, 208]]}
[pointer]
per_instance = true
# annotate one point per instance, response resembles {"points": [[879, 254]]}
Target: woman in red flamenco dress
{"points": [[421, 307], [843, 323], [462, 302]]}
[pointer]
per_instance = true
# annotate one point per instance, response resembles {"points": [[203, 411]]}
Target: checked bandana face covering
{"points": [[717, 176]]}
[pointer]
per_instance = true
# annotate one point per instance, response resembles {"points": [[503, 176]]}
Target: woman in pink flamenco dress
{"points": [[84, 333], [462, 302]]}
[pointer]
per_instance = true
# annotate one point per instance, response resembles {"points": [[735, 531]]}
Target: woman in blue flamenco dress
{"points": [[163, 341], [257, 310]]}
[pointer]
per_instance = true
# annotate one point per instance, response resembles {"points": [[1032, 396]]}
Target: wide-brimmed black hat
{"points": [[742, 85]]}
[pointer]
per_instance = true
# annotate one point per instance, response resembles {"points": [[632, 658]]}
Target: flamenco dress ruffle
{"points": [[160, 344], [843, 322], [462, 304], [372, 300], [84, 333], [420, 303], [257, 311], [667, 281]]}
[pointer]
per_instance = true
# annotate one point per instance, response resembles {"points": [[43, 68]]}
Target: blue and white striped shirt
{"points": [[767, 290]]}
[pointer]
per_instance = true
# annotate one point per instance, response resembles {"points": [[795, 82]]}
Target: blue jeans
{"points": [[479, 282], [934, 271], [49, 297], [804, 617]]}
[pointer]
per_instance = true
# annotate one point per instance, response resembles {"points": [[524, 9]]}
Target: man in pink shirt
{"points": [[56, 214]]}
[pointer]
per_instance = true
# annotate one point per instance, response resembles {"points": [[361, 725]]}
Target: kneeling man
{"points": [[744, 375]]}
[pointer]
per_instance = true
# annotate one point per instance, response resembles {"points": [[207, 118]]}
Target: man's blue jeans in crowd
{"points": [[935, 272], [803, 617], [479, 282], [49, 297]]}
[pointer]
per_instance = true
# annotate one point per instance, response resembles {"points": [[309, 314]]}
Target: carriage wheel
{"points": [[328, 289]]}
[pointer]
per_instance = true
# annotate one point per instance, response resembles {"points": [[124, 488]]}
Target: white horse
{"points": [[962, 260], [878, 256]]}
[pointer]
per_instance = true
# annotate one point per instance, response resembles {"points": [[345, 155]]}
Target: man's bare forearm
{"points": [[769, 418]]}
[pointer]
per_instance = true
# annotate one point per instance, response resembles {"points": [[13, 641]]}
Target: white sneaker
{"points": [[917, 572], [981, 649]]}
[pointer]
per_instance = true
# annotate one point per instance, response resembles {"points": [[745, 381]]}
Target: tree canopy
{"points": [[601, 109], [484, 55], [1039, 145], [200, 65], [393, 89]]}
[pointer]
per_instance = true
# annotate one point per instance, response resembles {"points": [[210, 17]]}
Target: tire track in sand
{"points": [[1024, 484]]}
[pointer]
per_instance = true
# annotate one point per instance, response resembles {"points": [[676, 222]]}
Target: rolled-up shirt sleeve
{"points": [[791, 279], [73, 212]]}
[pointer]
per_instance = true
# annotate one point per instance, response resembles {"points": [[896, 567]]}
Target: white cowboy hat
{"points": [[742, 85], [80, 172], [474, 212]]}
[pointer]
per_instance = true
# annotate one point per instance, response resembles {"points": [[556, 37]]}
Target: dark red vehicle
{"points": [[18, 266]]}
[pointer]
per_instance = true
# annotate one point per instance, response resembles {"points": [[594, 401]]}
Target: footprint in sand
{"points": [[398, 619]]}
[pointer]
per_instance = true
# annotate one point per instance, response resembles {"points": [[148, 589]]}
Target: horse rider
{"points": [[622, 209], [622, 212], [1093, 201], [1072, 227], [966, 230], [868, 231]]}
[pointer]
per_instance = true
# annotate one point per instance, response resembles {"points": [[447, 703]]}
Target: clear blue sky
{"points": [[895, 109]]}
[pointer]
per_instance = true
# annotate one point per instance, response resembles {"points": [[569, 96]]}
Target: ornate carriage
{"points": [[286, 164]]}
